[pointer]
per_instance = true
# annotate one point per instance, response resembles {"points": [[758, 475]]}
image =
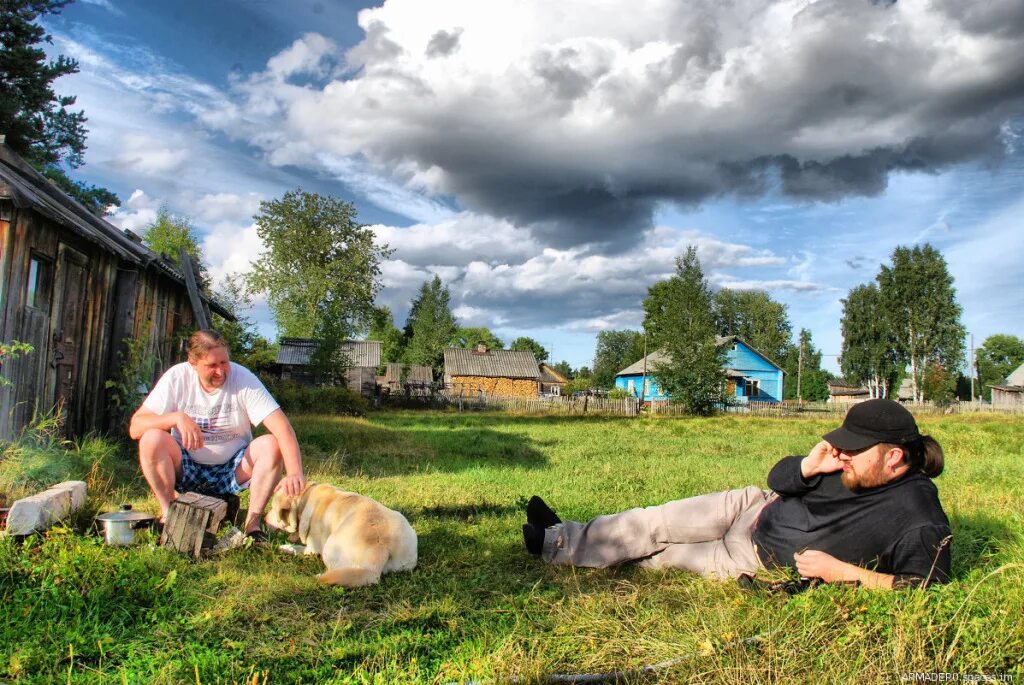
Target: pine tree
{"points": [[430, 325], [35, 120], [679, 321]]}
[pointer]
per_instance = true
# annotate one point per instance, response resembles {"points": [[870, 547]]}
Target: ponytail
{"points": [[923, 454], [932, 458]]}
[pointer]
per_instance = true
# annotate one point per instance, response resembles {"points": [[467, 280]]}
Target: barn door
{"points": [[69, 318]]}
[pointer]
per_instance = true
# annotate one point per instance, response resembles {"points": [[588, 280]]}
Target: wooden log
{"points": [[189, 518]]}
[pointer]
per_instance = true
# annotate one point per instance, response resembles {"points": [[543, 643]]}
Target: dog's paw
{"points": [[292, 549]]}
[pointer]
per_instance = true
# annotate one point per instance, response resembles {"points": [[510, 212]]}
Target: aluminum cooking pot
{"points": [[119, 526]]}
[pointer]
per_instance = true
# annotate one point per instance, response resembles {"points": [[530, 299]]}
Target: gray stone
{"points": [[40, 511]]}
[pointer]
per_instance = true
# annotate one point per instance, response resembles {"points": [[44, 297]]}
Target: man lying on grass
{"points": [[194, 433], [860, 507]]}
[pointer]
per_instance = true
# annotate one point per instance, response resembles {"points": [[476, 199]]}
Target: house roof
{"points": [[299, 351], [1014, 382], [660, 357], [549, 375], [843, 390], [491, 363], [653, 359], [26, 188], [414, 373]]}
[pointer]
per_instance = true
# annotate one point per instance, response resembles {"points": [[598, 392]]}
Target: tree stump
{"points": [[189, 518]]}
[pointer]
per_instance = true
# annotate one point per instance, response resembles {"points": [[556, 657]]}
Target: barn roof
{"points": [[491, 363], [843, 390], [414, 373], [299, 351], [26, 188], [549, 375]]}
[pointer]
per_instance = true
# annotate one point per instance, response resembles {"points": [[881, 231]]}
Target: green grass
{"points": [[479, 607]]}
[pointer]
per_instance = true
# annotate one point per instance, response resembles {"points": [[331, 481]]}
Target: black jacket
{"points": [[897, 528]]}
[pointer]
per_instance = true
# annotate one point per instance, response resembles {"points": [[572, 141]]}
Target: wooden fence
{"points": [[559, 406], [444, 398]]}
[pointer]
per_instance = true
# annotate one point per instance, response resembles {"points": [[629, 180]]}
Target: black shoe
{"points": [[540, 514], [258, 537], [533, 537]]}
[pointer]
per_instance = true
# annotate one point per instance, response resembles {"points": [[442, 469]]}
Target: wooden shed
{"points": [[840, 393], [407, 379], [1011, 392], [76, 288], [295, 354], [551, 382], [501, 373]]}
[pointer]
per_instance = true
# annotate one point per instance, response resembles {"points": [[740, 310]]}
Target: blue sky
{"points": [[549, 160]]}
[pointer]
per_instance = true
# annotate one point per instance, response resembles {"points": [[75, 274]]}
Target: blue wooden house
{"points": [[749, 375]]}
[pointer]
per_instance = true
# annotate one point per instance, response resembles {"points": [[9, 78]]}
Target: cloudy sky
{"points": [[549, 160]]}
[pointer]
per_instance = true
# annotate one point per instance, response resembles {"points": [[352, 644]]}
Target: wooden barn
{"points": [[406, 379], [1011, 392], [500, 373], [76, 288], [841, 393], [295, 354], [551, 382]]}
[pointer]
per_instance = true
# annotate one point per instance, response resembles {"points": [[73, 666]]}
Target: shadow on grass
{"points": [[977, 539], [340, 447]]}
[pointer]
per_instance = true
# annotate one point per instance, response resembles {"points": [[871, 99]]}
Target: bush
{"points": [[294, 397], [620, 394], [40, 458]]}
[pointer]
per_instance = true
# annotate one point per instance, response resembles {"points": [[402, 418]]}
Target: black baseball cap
{"points": [[872, 422]]}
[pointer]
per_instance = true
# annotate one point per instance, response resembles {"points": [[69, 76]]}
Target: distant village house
{"points": [[1011, 392], [294, 356], [749, 375], [501, 373]]}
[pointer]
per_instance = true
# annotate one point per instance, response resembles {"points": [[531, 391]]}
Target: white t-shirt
{"points": [[225, 415]]}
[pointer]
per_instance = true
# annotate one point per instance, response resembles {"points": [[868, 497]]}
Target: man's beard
{"points": [[870, 478]]}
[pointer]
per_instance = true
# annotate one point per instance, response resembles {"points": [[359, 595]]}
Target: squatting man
{"points": [[194, 433], [860, 507]]}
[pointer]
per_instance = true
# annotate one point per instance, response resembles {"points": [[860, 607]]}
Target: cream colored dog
{"points": [[358, 538]]}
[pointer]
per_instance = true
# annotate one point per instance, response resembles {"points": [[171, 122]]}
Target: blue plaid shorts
{"points": [[210, 479]]}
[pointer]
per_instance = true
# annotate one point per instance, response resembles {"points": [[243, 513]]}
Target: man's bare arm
{"points": [[816, 564], [145, 419], [280, 427]]}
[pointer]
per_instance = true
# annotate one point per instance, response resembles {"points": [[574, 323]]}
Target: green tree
{"points": [[615, 350], [756, 318], [169, 233], [564, 368], [382, 328], [320, 269], [679, 321], [997, 358], [469, 338], [805, 372], [938, 384], [35, 120], [919, 299], [869, 355], [430, 326], [247, 346], [524, 343]]}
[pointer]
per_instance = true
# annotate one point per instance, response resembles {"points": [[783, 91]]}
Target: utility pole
{"points": [[973, 367], [643, 382], [800, 371]]}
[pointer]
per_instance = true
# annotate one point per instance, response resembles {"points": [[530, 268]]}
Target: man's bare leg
{"points": [[261, 468], [160, 460]]}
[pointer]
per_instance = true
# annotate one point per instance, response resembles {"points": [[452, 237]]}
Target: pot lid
{"points": [[125, 514]]}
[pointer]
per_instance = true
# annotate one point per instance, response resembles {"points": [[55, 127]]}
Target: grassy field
{"points": [[478, 607]]}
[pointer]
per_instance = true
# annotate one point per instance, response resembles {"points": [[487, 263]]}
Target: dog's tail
{"points": [[354, 576]]}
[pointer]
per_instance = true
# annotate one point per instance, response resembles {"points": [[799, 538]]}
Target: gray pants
{"points": [[708, 534]]}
